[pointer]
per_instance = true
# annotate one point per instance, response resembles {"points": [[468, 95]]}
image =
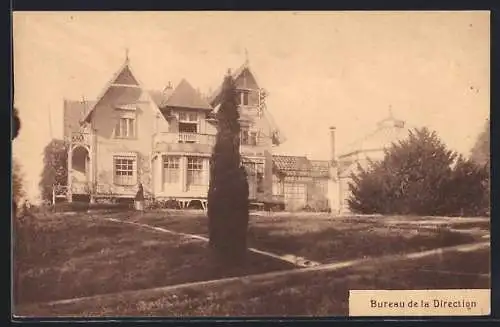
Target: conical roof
{"points": [[388, 130]]}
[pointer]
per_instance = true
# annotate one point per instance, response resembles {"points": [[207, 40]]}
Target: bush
{"points": [[468, 189], [480, 153], [17, 183], [55, 169], [419, 176]]}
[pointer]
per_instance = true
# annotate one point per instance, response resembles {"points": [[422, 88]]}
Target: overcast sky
{"points": [[320, 68]]}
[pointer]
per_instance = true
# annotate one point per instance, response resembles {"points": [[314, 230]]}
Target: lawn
{"points": [[311, 293], [73, 256], [324, 239], [70, 256]]}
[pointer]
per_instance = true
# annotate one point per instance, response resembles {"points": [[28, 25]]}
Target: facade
{"points": [[163, 140]]}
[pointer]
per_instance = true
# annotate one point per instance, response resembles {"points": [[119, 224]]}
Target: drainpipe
{"points": [[70, 165], [94, 164]]}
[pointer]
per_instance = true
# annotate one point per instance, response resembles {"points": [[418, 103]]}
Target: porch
{"points": [[80, 167]]}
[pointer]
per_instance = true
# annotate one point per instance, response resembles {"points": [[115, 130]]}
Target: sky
{"points": [[321, 69]]}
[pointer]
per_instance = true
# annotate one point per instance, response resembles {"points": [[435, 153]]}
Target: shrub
{"points": [[17, 182], [468, 189], [419, 176], [55, 169]]}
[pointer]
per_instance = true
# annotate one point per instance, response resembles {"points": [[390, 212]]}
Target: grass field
{"points": [[307, 294], [327, 240], [71, 256]]}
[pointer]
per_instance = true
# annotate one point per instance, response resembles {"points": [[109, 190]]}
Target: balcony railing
{"points": [[182, 137], [78, 187], [193, 142]]}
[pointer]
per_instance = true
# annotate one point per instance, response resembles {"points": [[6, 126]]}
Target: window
{"points": [[277, 185], [255, 174], [252, 138], [188, 122], [250, 168], [188, 128], [125, 127], [296, 191], [244, 98], [188, 117], [195, 171], [260, 182], [321, 186], [125, 168], [248, 137], [170, 169], [244, 136]]}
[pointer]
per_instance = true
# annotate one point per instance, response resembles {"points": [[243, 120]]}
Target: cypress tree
{"points": [[228, 187]]}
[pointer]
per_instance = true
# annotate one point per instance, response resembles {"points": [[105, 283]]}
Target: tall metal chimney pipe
{"points": [[332, 144]]}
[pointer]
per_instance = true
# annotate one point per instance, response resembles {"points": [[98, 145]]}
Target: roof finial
{"points": [[126, 56], [391, 116], [247, 61]]}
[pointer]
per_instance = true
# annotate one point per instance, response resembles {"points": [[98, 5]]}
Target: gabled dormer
{"points": [[123, 109], [256, 122]]}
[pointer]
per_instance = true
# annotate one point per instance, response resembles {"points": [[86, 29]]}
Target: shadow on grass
{"points": [[72, 257], [325, 240], [332, 245]]}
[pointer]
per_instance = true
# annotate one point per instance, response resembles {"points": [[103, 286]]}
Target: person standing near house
{"points": [[139, 199]]}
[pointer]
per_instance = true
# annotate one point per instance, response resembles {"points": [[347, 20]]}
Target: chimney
{"points": [[332, 144]]}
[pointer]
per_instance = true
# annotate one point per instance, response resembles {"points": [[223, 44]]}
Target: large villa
{"points": [[163, 140]]}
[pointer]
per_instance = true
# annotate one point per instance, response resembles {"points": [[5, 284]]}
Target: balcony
{"points": [[199, 143], [184, 142]]}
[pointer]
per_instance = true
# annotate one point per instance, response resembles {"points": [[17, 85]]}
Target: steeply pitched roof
{"points": [[185, 96], [74, 112], [124, 78], [214, 97]]}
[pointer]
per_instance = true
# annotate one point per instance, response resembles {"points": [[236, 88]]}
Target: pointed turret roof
{"points": [[185, 96], [215, 96], [388, 130]]}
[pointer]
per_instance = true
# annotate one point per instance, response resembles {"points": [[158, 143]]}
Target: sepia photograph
{"points": [[250, 164]]}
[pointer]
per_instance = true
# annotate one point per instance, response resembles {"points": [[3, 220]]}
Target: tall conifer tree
{"points": [[228, 190]]}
